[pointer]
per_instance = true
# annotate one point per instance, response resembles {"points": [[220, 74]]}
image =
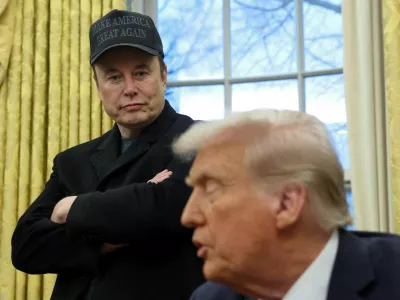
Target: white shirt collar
{"points": [[314, 282]]}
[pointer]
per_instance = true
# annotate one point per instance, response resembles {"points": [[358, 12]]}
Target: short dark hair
{"points": [[163, 66]]}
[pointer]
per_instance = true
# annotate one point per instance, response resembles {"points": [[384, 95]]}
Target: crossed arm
{"points": [[50, 239], [62, 208]]}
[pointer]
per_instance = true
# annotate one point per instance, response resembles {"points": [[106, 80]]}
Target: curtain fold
{"points": [[11, 156], [106, 122], [74, 74], [65, 73], [39, 118], [96, 107], [85, 73], [54, 103], [391, 21], [26, 126], [366, 114], [7, 21], [48, 102]]}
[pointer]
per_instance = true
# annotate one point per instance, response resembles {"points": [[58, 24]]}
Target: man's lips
{"points": [[201, 249], [197, 244], [132, 106]]}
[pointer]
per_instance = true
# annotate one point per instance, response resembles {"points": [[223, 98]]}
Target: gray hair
{"points": [[282, 145]]}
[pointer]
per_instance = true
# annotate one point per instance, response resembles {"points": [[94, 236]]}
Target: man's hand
{"points": [[161, 176], [107, 248], [61, 210]]}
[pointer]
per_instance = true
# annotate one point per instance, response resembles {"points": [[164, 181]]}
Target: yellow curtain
{"points": [[48, 102], [391, 23]]}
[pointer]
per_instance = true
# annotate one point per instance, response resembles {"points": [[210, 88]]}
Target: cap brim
{"points": [[141, 47]]}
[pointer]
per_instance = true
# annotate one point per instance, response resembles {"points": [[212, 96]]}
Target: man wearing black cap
{"points": [[100, 224]]}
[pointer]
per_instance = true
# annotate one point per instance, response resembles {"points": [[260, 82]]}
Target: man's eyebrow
{"points": [[110, 70], [192, 179], [142, 66]]}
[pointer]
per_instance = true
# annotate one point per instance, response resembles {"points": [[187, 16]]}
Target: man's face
{"points": [[232, 216], [131, 86]]}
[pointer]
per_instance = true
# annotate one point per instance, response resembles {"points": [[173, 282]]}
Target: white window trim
{"points": [[147, 7]]}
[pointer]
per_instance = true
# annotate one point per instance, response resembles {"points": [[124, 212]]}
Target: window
{"points": [[236, 55]]}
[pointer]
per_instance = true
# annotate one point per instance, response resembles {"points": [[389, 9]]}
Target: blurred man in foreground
{"points": [[269, 212]]}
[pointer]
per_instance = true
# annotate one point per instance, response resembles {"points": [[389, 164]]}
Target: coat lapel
{"points": [[106, 157], [107, 152], [352, 272]]}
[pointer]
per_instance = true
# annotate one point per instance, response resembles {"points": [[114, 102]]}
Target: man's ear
{"points": [[164, 77], [292, 198], [95, 77]]}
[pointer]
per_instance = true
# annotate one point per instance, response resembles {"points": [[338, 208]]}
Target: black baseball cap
{"points": [[124, 28]]}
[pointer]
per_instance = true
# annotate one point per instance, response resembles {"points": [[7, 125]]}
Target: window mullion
{"points": [[227, 55], [150, 8], [300, 55]]}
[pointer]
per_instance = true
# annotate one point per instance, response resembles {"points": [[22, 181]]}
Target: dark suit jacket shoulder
{"points": [[211, 290], [367, 266]]}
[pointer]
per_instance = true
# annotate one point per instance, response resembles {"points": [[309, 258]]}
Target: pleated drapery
{"points": [[48, 102], [391, 24]]}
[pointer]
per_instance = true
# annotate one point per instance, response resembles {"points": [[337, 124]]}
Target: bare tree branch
{"points": [[190, 51], [325, 4], [264, 38], [259, 8], [322, 3], [319, 59], [328, 84], [274, 25], [162, 8]]}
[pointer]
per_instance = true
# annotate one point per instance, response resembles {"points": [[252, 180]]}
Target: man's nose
{"points": [[130, 86], [192, 215]]}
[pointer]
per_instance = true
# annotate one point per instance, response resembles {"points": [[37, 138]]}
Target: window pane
{"points": [[191, 32], [323, 40], [325, 99], [280, 94], [198, 102], [349, 196], [263, 37]]}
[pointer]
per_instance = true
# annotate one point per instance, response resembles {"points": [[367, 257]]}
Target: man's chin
{"points": [[137, 123], [213, 272]]}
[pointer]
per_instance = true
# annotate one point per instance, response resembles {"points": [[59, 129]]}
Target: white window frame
{"points": [[149, 7]]}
